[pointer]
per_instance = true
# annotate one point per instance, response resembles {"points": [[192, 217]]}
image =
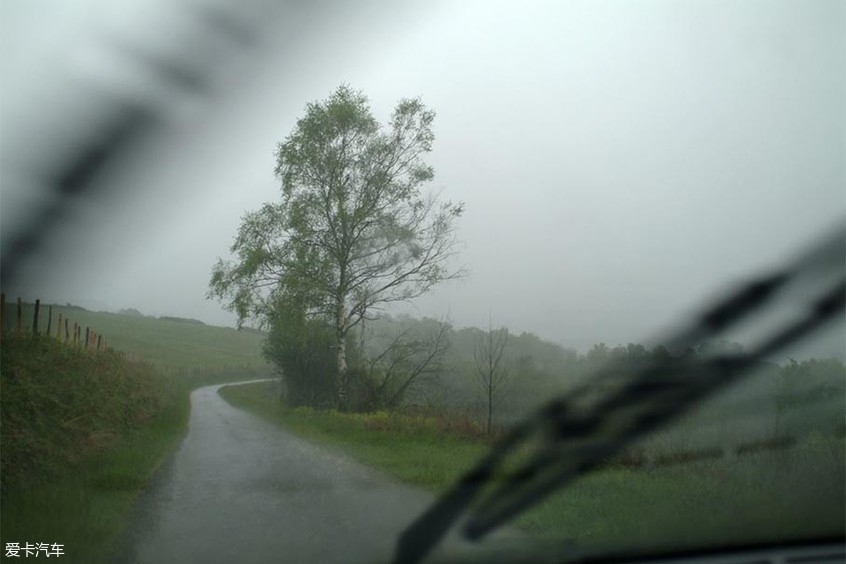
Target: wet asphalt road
{"points": [[239, 489]]}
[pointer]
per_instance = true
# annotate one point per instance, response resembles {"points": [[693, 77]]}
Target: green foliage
{"points": [[302, 350], [352, 230], [82, 432]]}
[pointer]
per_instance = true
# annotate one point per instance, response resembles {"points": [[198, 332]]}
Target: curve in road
{"points": [[239, 489]]}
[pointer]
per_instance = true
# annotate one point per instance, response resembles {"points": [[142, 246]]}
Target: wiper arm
{"points": [[577, 433]]}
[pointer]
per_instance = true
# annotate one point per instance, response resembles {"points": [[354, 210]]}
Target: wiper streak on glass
{"points": [[127, 120], [577, 440]]}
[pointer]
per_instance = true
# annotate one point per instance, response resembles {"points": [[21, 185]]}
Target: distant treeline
{"points": [[125, 311], [134, 312], [410, 364], [181, 320]]}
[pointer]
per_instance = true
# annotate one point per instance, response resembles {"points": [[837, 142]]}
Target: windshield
{"points": [[594, 429], [420, 224]]}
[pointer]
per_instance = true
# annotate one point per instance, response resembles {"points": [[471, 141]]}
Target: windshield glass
{"points": [[762, 463], [417, 224]]}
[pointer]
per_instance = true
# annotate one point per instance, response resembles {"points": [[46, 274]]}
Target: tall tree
{"points": [[353, 231]]}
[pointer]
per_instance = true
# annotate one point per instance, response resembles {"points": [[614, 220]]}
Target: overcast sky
{"points": [[620, 162]]}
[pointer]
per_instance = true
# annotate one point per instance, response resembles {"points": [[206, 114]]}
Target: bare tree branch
{"points": [[491, 372]]}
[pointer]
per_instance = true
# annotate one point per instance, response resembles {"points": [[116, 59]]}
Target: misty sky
{"points": [[620, 162]]}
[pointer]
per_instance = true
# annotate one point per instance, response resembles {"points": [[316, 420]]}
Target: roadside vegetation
{"points": [[83, 431], [635, 501], [428, 452]]}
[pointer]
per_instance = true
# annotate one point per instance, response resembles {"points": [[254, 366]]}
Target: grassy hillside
{"points": [[169, 343], [82, 433]]}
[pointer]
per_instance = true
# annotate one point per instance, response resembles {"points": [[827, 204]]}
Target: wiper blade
{"points": [[577, 433]]}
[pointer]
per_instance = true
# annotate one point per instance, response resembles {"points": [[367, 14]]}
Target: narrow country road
{"points": [[239, 489]]}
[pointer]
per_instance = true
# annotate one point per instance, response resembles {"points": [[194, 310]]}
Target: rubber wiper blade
{"points": [[578, 432]]}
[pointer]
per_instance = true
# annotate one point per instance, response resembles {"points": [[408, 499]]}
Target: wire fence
{"points": [[63, 330]]}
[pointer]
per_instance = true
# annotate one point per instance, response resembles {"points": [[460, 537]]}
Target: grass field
{"points": [[170, 344], [798, 493], [82, 434]]}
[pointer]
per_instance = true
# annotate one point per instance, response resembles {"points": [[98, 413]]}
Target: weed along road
{"points": [[239, 489]]}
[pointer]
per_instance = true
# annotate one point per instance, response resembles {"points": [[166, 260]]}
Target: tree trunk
{"points": [[341, 332], [490, 408]]}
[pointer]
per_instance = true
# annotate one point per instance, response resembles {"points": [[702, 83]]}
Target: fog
{"points": [[620, 163]]}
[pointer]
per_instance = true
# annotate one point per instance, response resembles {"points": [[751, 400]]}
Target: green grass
{"points": [[774, 496], [769, 497], [82, 434], [412, 449], [167, 343]]}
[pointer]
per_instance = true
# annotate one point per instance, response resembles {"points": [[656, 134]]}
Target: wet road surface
{"points": [[239, 489]]}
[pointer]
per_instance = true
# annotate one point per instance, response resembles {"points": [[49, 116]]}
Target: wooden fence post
{"points": [[35, 317], [49, 320], [75, 332], [59, 327], [67, 330], [99, 341], [20, 316], [2, 314], [87, 338]]}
